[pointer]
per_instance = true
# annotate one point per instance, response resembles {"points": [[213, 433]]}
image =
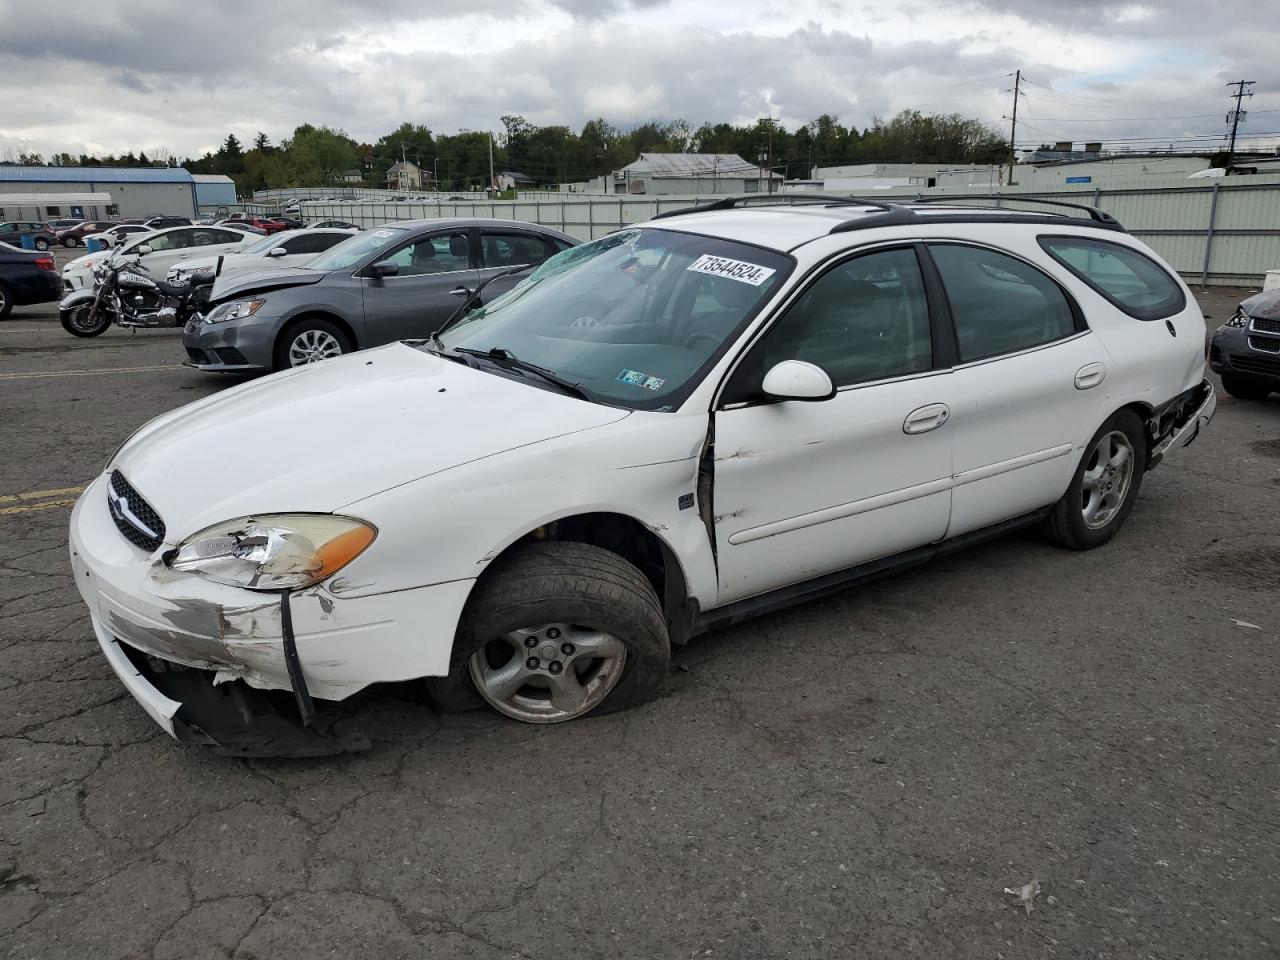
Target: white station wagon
{"points": [[685, 423]]}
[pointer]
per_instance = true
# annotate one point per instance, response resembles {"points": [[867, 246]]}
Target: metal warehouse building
{"points": [[42, 193]]}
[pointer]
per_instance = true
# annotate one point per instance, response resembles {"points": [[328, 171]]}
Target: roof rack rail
{"points": [[1096, 215], [778, 200], [889, 214]]}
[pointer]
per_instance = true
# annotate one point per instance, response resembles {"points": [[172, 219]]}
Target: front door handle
{"points": [[927, 418], [1090, 375]]}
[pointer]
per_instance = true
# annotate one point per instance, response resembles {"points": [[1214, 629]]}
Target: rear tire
{"points": [[6, 301], [1245, 389], [41, 244], [76, 321], [70, 242], [533, 606], [310, 340], [1104, 486]]}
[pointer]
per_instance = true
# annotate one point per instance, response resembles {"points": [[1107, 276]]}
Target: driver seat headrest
{"points": [[459, 246]]}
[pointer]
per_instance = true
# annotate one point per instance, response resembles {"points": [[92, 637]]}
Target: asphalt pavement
{"points": [[858, 777]]}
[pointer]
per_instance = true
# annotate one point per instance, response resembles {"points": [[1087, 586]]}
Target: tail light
{"points": [[44, 263]]}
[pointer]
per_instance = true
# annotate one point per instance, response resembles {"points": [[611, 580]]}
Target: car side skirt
{"points": [[720, 617]]}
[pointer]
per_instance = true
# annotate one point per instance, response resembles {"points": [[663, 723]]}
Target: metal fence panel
{"points": [[1226, 231]]}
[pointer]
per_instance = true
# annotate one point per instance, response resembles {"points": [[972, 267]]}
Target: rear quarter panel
{"points": [[1152, 360]]}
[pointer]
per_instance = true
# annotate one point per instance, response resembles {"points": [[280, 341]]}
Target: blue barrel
{"points": [[93, 245], [28, 242]]}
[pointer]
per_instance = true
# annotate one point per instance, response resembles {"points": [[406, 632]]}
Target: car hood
{"points": [[266, 278], [316, 438], [1264, 305]]}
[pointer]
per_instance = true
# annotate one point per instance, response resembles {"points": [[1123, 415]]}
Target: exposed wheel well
{"points": [[320, 315], [634, 542]]}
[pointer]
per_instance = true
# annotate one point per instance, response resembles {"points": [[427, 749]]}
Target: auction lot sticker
{"points": [[739, 270]]}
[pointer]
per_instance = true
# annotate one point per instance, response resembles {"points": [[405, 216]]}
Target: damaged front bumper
{"points": [[232, 718], [232, 641]]}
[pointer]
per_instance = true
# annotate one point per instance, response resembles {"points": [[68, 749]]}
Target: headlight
{"points": [[288, 551], [1238, 319], [236, 310]]}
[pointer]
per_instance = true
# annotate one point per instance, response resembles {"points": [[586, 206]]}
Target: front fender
{"points": [[77, 298]]}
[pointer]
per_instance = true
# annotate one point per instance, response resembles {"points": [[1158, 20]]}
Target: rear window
{"points": [[1129, 280]]}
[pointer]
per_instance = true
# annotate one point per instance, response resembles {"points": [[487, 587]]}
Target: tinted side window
{"points": [[439, 254], [511, 249], [1000, 304], [866, 319], [1128, 279], [314, 242]]}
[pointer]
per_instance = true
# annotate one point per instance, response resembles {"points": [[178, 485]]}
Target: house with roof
{"points": [[404, 175], [512, 180], [658, 173]]}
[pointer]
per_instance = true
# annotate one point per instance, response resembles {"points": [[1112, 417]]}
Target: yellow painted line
{"points": [[39, 494], [90, 373], [49, 505]]}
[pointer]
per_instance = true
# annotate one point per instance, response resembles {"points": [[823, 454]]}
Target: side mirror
{"points": [[798, 380], [277, 252], [384, 268], [144, 249]]}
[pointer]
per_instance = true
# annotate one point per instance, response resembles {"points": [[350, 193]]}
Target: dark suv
{"points": [[1246, 349], [159, 223], [13, 232]]}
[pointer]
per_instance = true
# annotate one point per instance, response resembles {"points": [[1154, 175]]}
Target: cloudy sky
{"points": [[114, 76]]}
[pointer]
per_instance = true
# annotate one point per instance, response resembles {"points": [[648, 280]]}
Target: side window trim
{"points": [[425, 238], [934, 298], [1089, 282], [500, 231], [1079, 323]]}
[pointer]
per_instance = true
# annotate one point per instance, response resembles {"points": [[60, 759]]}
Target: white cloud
{"points": [[114, 76]]}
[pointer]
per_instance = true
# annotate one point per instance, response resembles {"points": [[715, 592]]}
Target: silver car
{"points": [[395, 282]]}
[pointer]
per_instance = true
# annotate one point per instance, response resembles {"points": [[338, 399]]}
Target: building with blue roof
{"points": [[43, 193]]}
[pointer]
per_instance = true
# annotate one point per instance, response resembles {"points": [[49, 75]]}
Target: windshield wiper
{"points": [[505, 358], [468, 300]]}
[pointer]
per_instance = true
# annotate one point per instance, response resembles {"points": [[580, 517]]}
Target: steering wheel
{"points": [[697, 335]]}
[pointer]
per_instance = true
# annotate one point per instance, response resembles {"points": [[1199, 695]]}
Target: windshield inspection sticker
{"points": [[638, 379], [739, 270]]}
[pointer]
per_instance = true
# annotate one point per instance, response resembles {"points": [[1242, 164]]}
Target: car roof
{"points": [[786, 223], [432, 223]]}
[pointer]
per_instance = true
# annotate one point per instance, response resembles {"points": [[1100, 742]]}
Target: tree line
{"points": [[318, 156]]}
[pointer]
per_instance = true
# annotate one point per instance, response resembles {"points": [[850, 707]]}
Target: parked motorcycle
{"points": [[124, 294]]}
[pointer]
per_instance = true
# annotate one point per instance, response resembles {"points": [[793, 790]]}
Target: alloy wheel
{"points": [[1107, 477], [312, 346], [550, 673]]}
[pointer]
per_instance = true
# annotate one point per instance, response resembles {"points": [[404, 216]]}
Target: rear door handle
{"points": [[926, 418], [1090, 375]]}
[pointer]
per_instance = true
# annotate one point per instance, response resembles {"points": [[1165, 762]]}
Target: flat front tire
{"points": [[554, 632], [1104, 486]]}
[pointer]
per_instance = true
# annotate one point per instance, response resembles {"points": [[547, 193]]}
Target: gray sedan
{"points": [[396, 282]]}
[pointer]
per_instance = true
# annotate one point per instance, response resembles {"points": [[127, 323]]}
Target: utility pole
{"points": [[1013, 127], [1243, 89], [493, 185]]}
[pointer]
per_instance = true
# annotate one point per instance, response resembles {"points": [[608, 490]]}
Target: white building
{"points": [[659, 173]]}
